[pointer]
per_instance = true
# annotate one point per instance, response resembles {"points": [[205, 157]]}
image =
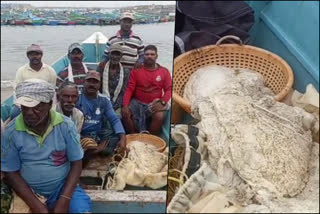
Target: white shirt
{"points": [[46, 73]]}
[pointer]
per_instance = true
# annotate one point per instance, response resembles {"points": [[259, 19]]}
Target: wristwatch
{"points": [[163, 102]]}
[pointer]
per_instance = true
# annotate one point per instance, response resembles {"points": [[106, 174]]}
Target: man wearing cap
{"points": [[41, 153], [36, 68], [147, 95], [76, 70], [114, 77], [96, 108], [131, 43]]}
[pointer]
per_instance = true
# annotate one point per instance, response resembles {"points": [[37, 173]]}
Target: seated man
{"points": [[96, 109], [76, 70], [36, 68], [41, 153], [67, 96], [114, 77], [147, 95]]}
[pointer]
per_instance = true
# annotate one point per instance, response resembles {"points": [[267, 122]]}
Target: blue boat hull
{"points": [[291, 30], [53, 23]]}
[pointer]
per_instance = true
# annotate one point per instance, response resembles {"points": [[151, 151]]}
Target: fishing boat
{"points": [[63, 22], [132, 199], [11, 22], [4, 19], [71, 22], [37, 22], [27, 21], [53, 22], [18, 22], [80, 21]]}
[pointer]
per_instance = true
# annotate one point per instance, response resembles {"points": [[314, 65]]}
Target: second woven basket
{"points": [[276, 72]]}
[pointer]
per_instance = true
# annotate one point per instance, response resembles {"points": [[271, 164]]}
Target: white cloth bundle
{"points": [[181, 135], [202, 194], [143, 167]]}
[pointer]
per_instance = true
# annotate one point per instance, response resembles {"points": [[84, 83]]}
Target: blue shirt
{"points": [[94, 111], [43, 161]]}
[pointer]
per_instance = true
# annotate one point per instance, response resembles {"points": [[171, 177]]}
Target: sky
{"points": [[90, 3]]}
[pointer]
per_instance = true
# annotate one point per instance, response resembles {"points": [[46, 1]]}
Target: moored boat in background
{"points": [[53, 22], [18, 22], [37, 22], [71, 22]]}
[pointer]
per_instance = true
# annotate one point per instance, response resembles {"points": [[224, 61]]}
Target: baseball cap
{"points": [[34, 48], [93, 75], [75, 46], [116, 47], [127, 15]]}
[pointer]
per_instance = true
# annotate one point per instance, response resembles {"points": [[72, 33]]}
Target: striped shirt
{"points": [[78, 76], [132, 49]]}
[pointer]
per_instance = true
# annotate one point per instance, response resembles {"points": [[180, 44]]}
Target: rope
{"points": [[118, 155], [176, 170], [88, 143], [112, 167], [175, 165], [175, 179]]}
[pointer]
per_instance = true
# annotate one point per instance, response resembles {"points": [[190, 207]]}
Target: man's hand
{"points": [[101, 147], [122, 145], [62, 205], [157, 106], [40, 208], [19, 185], [125, 112], [138, 65]]}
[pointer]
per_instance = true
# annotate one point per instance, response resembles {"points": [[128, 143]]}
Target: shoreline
{"points": [[25, 25]]}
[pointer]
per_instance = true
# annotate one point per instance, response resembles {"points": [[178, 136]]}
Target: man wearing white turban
{"points": [[41, 153]]}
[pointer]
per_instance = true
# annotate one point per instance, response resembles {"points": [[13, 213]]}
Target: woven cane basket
{"points": [[277, 74], [148, 138]]}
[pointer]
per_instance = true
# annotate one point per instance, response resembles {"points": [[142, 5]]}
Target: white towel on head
{"points": [[105, 86]]}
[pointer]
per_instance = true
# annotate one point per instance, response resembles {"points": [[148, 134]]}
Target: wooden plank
{"points": [[128, 196]]}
